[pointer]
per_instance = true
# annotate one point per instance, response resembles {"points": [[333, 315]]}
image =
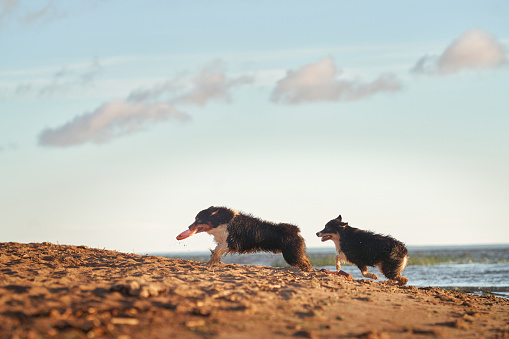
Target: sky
{"points": [[121, 120]]}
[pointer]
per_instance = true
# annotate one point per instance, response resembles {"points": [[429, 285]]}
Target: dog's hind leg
{"points": [[400, 280], [392, 270], [296, 256], [304, 264], [365, 273]]}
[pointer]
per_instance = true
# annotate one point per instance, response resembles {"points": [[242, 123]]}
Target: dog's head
{"points": [[332, 229], [208, 219]]}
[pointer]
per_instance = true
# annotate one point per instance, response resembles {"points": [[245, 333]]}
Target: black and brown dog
{"points": [[365, 248], [236, 232]]}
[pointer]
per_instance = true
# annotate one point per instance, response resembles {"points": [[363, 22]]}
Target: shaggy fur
{"points": [[364, 248], [241, 233]]}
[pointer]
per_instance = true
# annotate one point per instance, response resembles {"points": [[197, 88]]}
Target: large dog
{"points": [[364, 248], [236, 232]]}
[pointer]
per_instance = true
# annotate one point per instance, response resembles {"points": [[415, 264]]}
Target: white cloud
{"points": [[48, 13], [48, 82], [320, 82], [110, 120], [7, 7], [474, 49], [142, 107], [425, 65], [160, 90], [66, 78], [211, 83]]}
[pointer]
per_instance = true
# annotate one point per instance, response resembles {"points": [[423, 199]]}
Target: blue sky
{"points": [[120, 121]]}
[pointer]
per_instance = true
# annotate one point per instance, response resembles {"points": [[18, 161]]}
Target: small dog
{"points": [[364, 248], [235, 232]]}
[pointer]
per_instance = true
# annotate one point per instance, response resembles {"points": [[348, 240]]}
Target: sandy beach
{"points": [[59, 291]]}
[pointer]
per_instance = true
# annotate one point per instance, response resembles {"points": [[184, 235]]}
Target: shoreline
{"points": [[60, 291]]}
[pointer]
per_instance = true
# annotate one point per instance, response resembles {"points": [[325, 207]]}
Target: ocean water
{"points": [[474, 269]]}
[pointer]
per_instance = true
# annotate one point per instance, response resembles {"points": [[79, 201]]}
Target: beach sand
{"points": [[59, 291]]}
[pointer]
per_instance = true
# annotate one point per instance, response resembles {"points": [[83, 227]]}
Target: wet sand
{"points": [[59, 291]]}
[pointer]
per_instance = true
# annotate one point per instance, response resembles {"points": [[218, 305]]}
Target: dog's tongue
{"points": [[186, 234]]}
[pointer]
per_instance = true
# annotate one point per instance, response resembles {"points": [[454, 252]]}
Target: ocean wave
{"points": [[419, 256]]}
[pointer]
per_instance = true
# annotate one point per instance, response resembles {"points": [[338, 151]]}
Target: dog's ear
{"points": [[339, 218], [212, 210]]}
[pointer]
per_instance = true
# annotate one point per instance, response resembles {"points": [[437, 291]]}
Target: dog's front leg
{"points": [[216, 254], [338, 263]]}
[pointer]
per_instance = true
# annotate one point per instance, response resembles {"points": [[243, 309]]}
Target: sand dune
{"points": [[59, 291]]}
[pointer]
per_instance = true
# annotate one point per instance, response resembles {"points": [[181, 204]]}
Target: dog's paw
{"points": [[370, 276], [344, 274], [402, 281], [211, 263]]}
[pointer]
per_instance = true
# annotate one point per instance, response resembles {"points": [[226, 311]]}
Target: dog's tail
{"points": [[399, 252]]}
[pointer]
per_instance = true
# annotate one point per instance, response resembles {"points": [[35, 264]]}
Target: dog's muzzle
{"points": [[324, 237]]}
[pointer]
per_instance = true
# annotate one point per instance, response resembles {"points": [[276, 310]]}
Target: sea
{"points": [[479, 269]]}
